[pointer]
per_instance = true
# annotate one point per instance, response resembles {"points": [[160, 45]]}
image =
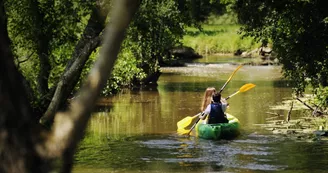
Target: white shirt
{"points": [[223, 106]]}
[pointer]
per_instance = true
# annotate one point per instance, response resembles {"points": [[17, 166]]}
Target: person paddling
{"points": [[207, 99], [215, 110]]}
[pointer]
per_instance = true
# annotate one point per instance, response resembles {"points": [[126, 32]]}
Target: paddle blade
{"points": [[186, 122], [246, 87], [183, 131], [234, 72]]}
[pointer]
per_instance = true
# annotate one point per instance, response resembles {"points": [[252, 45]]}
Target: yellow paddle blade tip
{"points": [[247, 87], [184, 122], [182, 131]]}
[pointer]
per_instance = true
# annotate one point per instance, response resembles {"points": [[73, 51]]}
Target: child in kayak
{"points": [[215, 110]]}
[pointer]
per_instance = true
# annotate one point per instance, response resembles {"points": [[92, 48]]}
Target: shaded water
{"points": [[136, 131]]}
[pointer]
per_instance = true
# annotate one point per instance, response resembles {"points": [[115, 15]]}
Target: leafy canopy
{"points": [[299, 32]]}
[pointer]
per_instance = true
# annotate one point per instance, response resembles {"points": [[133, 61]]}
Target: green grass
{"points": [[218, 38]]}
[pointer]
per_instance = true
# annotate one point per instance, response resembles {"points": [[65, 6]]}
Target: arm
{"points": [[202, 116], [224, 101], [206, 112], [224, 106]]}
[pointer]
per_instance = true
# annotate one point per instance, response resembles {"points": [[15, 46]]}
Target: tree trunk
{"points": [[69, 126], [24, 147], [88, 43], [18, 133], [45, 67], [42, 41]]}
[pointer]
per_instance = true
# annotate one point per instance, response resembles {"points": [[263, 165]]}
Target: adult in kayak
{"points": [[215, 110]]}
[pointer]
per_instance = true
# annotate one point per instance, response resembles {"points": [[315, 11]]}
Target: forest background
{"points": [[49, 37]]}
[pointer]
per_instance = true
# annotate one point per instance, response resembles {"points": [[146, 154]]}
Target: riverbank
{"points": [[223, 40]]}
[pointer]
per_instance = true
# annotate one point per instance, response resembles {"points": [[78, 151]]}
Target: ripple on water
{"points": [[247, 154]]}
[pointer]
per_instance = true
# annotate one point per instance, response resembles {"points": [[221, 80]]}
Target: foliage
{"points": [[54, 26], [43, 35], [39, 27], [62, 19], [228, 18], [321, 98], [299, 34], [195, 11], [157, 27], [223, 38], [59, 23], [124, 72]]}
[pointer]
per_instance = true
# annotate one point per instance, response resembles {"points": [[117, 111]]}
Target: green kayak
{"points": [[218, 131]]}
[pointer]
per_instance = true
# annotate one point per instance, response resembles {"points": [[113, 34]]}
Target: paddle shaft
{"points": [[231, 95], [230, 78], [193, 126]]}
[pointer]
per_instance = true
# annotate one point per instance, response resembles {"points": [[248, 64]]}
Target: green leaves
{"points": [[298, 32], [53, 28], [49, 29]]}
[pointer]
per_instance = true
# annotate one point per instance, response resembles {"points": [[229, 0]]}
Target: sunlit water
{"points": [[136, 131]]}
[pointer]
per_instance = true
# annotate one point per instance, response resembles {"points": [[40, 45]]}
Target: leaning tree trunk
{"points": [[23, 147], [88, 43]]}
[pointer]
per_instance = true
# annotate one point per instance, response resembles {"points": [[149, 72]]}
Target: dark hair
{"points": [[216, 97]]}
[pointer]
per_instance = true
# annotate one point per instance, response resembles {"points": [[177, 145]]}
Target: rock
{"points": [[250, 54], [184, 52], [238, 52], [321, 133], [265, 51]]}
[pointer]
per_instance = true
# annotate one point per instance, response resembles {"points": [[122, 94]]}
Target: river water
{"points": [[135, 131]]}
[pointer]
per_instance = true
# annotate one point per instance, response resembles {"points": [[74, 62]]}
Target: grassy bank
{"points": [[218, 38]]}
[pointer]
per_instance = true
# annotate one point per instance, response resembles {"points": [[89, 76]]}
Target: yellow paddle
{"points": [[244, 88], [187, 121], [230, 78]]}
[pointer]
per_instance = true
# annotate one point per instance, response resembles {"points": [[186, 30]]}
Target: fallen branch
{"points": [[290, 111], [315, 111], [273, 113]]}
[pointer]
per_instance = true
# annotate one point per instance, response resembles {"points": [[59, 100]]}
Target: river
{"points": [[135, 131]]}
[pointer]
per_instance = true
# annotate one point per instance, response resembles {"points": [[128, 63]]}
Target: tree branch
{"points": [[90, 40], [69, 126], [314, 110]]}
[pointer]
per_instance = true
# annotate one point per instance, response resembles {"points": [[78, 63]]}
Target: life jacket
{"points": [[217, 115]]}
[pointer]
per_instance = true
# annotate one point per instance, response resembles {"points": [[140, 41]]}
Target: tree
{"points": [[158, 26], [298, 30], [48, 31], [89, 41], [54, 40], [25, 147]]}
